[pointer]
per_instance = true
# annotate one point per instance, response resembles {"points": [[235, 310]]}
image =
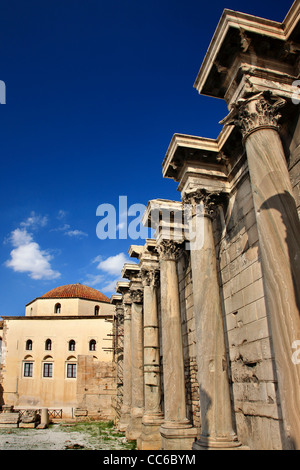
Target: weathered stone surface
{"points": [[9, 419], [228, 315]]}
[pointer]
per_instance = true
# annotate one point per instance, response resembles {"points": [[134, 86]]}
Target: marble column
{"points": [[127, 381], [215, 404], [177, 432], [118, 352], [150, 438], [134, 427], [279, 242]]}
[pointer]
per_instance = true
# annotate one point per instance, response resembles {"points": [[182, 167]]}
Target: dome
{"points": [[80, 291]]}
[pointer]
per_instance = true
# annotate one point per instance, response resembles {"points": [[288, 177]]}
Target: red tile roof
{"points": [[75, 291]]}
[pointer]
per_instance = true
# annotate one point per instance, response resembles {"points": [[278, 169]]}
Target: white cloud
{"points": [[110, 287], [76, 233], [114, 264], [94, 279], [63, 228], [27, 257], [97, 259], [67, 230], [111, 268], [61, 214], [35, 221], [20, 237]]}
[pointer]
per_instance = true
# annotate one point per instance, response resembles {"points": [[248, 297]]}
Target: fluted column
{"points": [[127, 382], [176, 431], [134, 427], [153, 416], [279, 242], [215, 405]]}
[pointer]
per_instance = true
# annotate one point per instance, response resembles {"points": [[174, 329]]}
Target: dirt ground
{"points": [[65, 436]]}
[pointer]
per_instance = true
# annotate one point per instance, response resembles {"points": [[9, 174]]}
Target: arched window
{"points": [[97, 310], [48, 366], [28, 366], [71, 367], [57, 308], [28, 346], [72, 345], [48, 345], [92, 345]]}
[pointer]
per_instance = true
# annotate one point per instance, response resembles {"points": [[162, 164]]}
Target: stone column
{"points": [[176, 431], [44, 418], [215, 404], [127, 381], [118, 352], [134, 427], [150, 438], [279, 242]]}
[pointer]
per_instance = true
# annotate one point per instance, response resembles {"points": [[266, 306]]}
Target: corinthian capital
{"points": [[136, 296], [257, 112], [150, 277], [169, 249], [208, 202]]}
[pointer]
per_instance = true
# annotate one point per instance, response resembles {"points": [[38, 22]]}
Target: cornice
{"points": [[242, 22]]}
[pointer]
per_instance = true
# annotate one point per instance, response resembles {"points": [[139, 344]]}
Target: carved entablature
{"points": [[208, 202], [150, 276], [169, 249], [248, 51], [257, 112]]}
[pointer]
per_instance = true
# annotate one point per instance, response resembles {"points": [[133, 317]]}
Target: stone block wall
{"points": [[96, 387]]}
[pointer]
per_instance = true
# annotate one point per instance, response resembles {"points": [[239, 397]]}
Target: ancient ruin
{"points": [[199, 348], [207, 317]]}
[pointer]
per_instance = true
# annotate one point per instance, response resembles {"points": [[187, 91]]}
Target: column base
{"points": [[150, 438], [177, 435], [134, 428], [209, 443], [124, 421]]}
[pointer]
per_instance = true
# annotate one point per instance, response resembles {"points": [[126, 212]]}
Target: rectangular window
{"points": [[47, 370], [71, 371], [28, 369]]}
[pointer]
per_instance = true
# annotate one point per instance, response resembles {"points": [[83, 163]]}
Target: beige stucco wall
{"points": [[58, 391], [72, 307]]}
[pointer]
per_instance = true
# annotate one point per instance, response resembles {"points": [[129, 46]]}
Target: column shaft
{"points": [[153, 416], [127, 383], [215, 404], [133, 429], [176, 431], [279, 238], [174, 387], [151, 356]]}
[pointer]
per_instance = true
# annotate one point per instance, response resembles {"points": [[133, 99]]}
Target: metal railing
{"points": [[53, 413]]}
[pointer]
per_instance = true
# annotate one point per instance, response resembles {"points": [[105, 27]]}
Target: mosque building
{"points": [[59, 355]]}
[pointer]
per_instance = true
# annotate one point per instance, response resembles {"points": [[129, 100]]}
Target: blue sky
{"points": [[94, 92]]}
